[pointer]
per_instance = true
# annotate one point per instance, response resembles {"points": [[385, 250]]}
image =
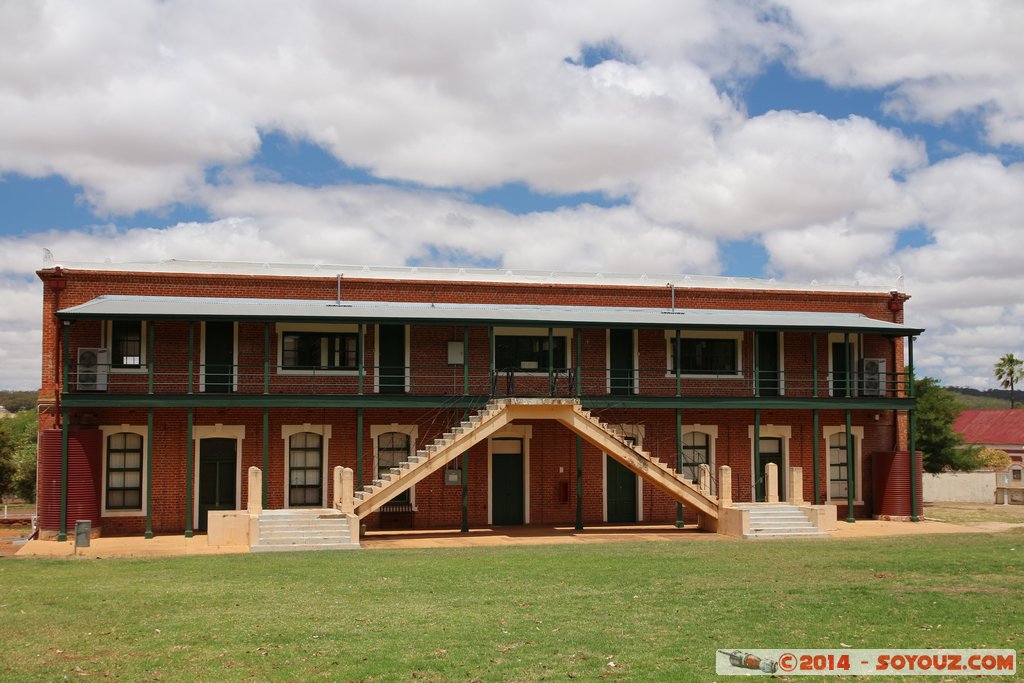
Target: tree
{"points": [[943, 448], [1009, 371], [18, 455]]}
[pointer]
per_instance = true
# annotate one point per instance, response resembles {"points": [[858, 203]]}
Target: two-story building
{"points": [[163, 383]]}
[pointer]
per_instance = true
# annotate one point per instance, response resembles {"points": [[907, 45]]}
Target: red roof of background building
{"points": [[991, 426]]}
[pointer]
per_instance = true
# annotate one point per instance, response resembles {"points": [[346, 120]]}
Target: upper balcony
{"points": [[186, 351]]}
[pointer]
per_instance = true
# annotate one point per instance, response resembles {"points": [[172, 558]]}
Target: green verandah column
{"points": [[912, 428], [151, 362], [465, 416], [851, 476], [815, 413], [189, 421], [266, 456], [579, 483], [360, 363], [757, 454], [62, 535], [677, 365]]}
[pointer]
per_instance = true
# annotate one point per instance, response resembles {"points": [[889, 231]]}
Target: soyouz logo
{"points": [[761, 662]]}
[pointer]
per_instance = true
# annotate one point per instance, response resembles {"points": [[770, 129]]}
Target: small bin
{"points": [[83, 530]]}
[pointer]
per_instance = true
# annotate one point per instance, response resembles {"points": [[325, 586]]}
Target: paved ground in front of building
{"points": [[169, 546]]}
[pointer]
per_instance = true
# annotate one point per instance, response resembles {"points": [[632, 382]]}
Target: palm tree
{"points": [[1009, 371]]}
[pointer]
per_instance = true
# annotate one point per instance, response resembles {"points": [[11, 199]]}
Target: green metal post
{"points": [[551, 362], [677, 365], [266, 455], [757, 368], [579, 362], [757, 453], [849, 363], [359, 448], [851, 476], [62, 535], [465, 481], [360, 362], [266, 362], [912, 428], [679, 462], [912, 419], [149, 468], [150, 360], [191, 353], [579, 483], [816, 438], [490, 346], [188, 473], [465, 361], [814, 368]]}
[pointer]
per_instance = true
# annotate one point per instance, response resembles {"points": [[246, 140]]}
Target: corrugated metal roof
{"points": [[199, 308], [992, 427]]}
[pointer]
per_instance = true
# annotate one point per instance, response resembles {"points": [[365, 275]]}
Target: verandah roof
{"points": [[285, 310]]}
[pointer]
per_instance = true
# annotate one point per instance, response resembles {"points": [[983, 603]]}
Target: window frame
{"points": [[110, 343], [711, 434], [858, 462], [701, 335], [410, 431], [318, 330], [108, 431], [324, 432]]}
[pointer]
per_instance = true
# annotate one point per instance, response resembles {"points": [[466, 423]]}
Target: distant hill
{"points": [[985, 399], [18, 400]]}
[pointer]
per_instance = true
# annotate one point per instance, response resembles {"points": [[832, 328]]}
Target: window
{"points": [[318, 350], [838, 475], [700, 356], [528, 352], [393, 448], [695, 453], [305, 469], [124, 471], [1016, 474], [126, 343]]}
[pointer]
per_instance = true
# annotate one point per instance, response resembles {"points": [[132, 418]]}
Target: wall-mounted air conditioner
{"points": [[872, 377], [93, 366]]}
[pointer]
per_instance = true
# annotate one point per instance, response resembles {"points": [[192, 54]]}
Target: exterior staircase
{"points": [[778, 520], [303, 529], [500, 412]]}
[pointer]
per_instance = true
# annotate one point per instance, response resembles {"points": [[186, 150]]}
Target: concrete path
{"points": [[171, 546]]}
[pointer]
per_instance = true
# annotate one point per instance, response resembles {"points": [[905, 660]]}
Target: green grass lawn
{"points": [[629, 611], [970, 513]]}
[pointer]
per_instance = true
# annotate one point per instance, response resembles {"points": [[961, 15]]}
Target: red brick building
{"points": [[163, 383]]}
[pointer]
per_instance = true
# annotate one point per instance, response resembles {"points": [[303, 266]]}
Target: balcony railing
{"points": [[445, 380]]}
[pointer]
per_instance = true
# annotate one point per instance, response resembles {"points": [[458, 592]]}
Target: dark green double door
{"points": [[219, 349], [391, 351], [218, 467], [507, 482], [620, 485]]}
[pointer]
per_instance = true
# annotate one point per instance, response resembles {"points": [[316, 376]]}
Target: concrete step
{"points": [[298, 547]]}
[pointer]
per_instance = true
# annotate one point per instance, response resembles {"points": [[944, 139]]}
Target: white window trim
{"points": [[855, 345], [784, 432], [216, 431], [376, 359], [107, 342], [524, 432], [712, 433], [670, 337], [202, 357], [281, 328], [412, 431], [858, 450], [566, 332], [608, 361], [635, 432], [110, 430], [287, 431]]}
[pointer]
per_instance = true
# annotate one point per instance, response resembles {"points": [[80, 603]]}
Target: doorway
{"points": [[507, 482], [218, 470], [771, 451]]}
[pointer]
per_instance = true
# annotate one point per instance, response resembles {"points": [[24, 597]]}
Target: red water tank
{"points": [[85, 478], [891, 470]]}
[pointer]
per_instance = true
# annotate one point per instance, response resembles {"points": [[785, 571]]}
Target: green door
{"points": [[391, 347], [771, 451], [217, 470], [620, 354], [220, 356], [621, 483], [840, 370], [507, 481], [769, 376]]}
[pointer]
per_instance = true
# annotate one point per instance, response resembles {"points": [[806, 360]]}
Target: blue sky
{"points": [[797, 140]]}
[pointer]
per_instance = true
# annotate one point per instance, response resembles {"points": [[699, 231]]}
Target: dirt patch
{"points": [[8, 535]]}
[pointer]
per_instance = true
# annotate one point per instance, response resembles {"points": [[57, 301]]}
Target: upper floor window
{"points": [[700, 356], [529, 352], [126, 343], [318, 350]]}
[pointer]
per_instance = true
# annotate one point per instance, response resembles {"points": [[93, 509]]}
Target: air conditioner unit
{"points": [[93, 366], [872, 377]]}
